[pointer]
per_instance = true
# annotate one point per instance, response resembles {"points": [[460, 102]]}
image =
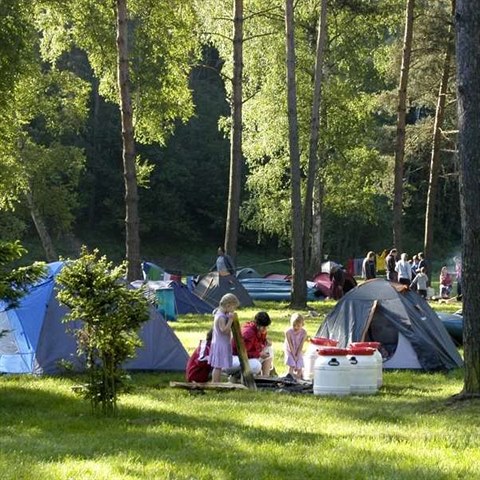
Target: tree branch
{"points": [[226, 37], [259, 35]]}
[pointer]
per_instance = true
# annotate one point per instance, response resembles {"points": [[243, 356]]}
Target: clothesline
{"points": [[266, 263]]}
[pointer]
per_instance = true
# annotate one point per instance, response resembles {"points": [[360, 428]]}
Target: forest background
{"points": [[61, 144]]}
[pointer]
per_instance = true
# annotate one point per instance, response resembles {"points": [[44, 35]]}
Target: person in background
{"points": [[445, 283], [337, 277], [224, 264], [422, 262], [390, 264], [419, 283], [368, 266], [458, 274], [295, 337], [198, 368], [404, 270], [221, 348], [414, 264], [259, 348]]}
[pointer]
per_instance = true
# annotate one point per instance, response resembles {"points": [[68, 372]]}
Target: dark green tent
{"points": [[411, 334]]}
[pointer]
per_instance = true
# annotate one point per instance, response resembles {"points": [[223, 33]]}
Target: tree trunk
{"points": [[92, 206], [299, 287], [435, 158], [132, 240], [47, 244], [401, 117], [317, 228], [468, 90], [314, 135], [236, 153]]}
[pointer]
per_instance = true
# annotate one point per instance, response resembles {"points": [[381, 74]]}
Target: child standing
{"points": [[221, 348], [295, 337], [445, 283], [421, 282]]}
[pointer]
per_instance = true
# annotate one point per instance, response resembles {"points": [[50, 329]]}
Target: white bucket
{"points": [[377, 355], [311, 354], [332, 372], [364, 370], [309, 358]]}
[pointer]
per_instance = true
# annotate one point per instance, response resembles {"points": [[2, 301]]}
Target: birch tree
{"points": [[299, 293], [401, 121], [313, 262], [152, 69], [436, 143]]}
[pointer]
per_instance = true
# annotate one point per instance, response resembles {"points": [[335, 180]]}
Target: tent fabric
{"points": [[247, 273], [37, 339], [212, 287], [275, 289], [389, 313], [185, 301], [324, 283], [161, 349]]}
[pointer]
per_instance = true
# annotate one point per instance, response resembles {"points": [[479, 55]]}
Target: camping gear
{"points": [[410, 332], [311, 355], [152, 271], [173, 276], [453, 322], [274, 289], [247, 273], [165, 299], [377, 355], [184, 300], [363, 375], [332, 372], [323, 283], [37, 340], [212, 287]]}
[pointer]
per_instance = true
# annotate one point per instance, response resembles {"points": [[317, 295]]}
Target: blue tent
{"points": [[186, 301], [174, 298], [36, 339]]}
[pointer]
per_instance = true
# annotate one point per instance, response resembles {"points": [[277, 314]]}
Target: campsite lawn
{"points": [[410, 429]]}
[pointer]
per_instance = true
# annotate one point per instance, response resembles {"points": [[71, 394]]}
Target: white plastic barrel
{"points": [[364, 370], [332, 372], [311, 355], [377, 355]]}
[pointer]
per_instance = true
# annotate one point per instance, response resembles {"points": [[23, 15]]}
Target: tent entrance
{"points": [[380, 329]]}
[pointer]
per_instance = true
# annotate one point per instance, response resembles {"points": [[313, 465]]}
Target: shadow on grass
{"points": [[49, 427]]}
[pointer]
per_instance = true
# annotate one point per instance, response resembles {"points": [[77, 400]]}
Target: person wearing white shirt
{"points": [[404, 270]]}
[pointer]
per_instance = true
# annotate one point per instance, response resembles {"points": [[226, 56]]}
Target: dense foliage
{"points": [[14, 282], [73, 165]]}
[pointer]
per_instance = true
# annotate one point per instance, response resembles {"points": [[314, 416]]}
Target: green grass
{"points": [[410, 429]]}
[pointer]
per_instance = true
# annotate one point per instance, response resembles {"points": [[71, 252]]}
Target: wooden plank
{"points": [[208, 386], [247, 375]]}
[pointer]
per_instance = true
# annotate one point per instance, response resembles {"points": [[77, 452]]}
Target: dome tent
{"points": [[212, 286], [37, 340], [411, 334]]}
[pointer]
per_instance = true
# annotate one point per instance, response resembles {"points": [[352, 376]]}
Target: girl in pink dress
{"points": [[221, 347], [295, 337], [445, 283]]}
